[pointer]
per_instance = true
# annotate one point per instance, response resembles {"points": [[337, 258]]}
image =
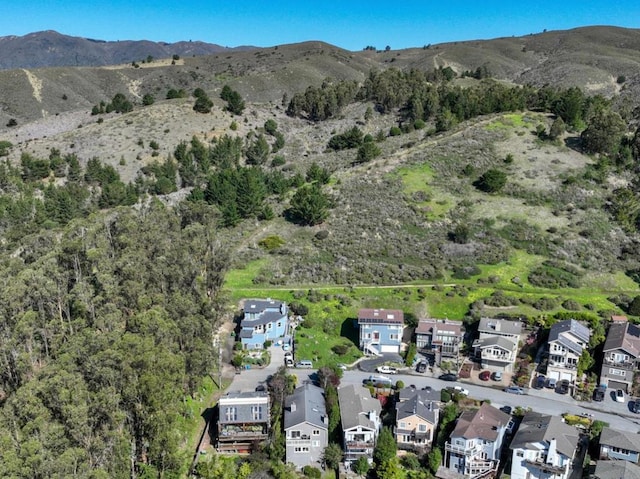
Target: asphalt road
{"points": [[543, 401]]}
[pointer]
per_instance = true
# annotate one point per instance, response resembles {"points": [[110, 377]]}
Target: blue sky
{"points": [[350, 25]]}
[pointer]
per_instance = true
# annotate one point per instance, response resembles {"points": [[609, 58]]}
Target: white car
{"points": [[619, 395], [461, 390], [386, 370]]}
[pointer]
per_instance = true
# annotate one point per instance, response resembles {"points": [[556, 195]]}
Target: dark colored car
{"points": [[599, 393], [540, 381], [422, 367], [485, 375], [635, 406], [506, 409], [563, 386], [261, 388], [448, 377]]}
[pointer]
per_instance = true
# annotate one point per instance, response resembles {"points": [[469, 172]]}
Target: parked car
{"points": [[510, 426], [485, 375], [540, 381], [514, 390], [619, 395], [635, 406], [286, 347], [422, 367], [304, 364], [599, 392], [497, 376], [386, 370], [261, 387], [448, 377], [378, 381], [506, 409], [551, 383], [563, 387], [461, 390]]}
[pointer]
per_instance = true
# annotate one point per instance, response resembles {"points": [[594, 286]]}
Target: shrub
{"points": [[395, 131], [491, 181], [312, 472], [349, 139], [271, 243], [419, 124], [367, 152], [268, 343], [299, 309], [278, 161], [340, 349]]}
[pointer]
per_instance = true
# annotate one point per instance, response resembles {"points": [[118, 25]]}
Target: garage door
{"points": [[566, 376], [554, 375], [389, 349], [617, 385]]}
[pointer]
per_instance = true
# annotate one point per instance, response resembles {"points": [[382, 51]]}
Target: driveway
{"points": [[370, 365], [248, 379]]}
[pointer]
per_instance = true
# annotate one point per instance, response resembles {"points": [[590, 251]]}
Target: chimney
{"points": [[325, 419], [292, 408]]}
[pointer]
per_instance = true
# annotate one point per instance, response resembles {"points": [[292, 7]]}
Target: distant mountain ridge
{"points": [[52, 49]]}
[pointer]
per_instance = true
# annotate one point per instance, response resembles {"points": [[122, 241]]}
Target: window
{"points": [[231, 414], [279, 324], [295, 434], [402, 425], [422, 428], [256, 412], [316, 432], [393, 337], [315, 443], [367, 336], [616, 372], [301, 449]]}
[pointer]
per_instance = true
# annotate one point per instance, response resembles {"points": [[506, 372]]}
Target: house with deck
{"points": [[474, 447], [544, 447], [263, 320], [567, 340], [243, 422], [497, 345], [439, 338], [621, 355], [416, 420], [305, 426], [361, 422], [619, 445], [380, 330]]}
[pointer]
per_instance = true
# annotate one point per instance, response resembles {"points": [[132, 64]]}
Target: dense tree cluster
{"points": [[319, 104], [235, 103]]}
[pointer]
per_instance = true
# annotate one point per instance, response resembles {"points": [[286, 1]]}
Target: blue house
{"points": [[264, 320], [619, 445], [380, 330]]}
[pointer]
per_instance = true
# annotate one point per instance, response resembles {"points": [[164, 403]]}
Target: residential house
{"points": [[361, 423], [474, 446], [380, 330], [619, 445], [616, 470], [305, 426], [427, 394], [416, 420], [243, 421], [264, 320], [621, 356], [567, 340], [544, 446], [497, 345], [440, 338]]}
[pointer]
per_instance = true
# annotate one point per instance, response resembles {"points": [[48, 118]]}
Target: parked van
{"points": [[305, 363]]}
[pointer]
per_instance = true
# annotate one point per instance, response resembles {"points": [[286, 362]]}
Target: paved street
{"points": [[616, 414]]}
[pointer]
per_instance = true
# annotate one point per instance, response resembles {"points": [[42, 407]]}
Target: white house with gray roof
{"points": [[305, 426], [361, 423], [544, 447], [567, 340], [497, 345]]}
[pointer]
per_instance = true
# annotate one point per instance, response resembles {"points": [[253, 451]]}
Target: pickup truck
{"points": [[386, 370]]}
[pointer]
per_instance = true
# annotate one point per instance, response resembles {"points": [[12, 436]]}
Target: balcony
{"points": [[620, 364], [544, 467], [359, 444], [298, 442], [558, 364], [462, 450]]}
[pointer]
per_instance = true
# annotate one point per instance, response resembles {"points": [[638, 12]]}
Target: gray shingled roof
{"points": [[244, 411], [617, 470], [500, 341], [259, 305], [265, 318], [625, 336], [621, 439], [354, 401], [577, 329], [427, 410], [482, 423], [309, 407], [428, 394], [489, 325], [536, 428]]}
